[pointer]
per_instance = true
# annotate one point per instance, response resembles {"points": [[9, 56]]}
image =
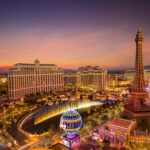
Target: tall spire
{"points": [[139, 69], [136, 104], [139, 28]]}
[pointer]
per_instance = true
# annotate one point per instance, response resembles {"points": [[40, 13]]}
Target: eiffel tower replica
{"points": [[136, 105]]}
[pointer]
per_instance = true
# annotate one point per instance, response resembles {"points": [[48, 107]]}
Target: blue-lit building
{"points": [[71, 122]]}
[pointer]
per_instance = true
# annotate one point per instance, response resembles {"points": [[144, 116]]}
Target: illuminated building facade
{"points": [[129, 75], [3, 78], [124, 79], [112, 80], [71, 80], [136, 104], [117, 131], [92, 78], [26, 79], [71, 122], [3, 86]]}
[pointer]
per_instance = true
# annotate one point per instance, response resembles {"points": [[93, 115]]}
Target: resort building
{"points": [[26, 79], [92, 78], [71, 80], [116, 131]]}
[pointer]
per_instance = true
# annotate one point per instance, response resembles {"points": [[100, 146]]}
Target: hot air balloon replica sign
{"points": [[71, 122]]}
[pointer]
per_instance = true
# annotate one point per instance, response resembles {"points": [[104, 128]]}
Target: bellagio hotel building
{"points": [[26, 79]]}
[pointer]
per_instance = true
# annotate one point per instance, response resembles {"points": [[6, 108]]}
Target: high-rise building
{"points": [[92, 78], [137, 103], [112, 80], [25, 79], [71, 80], [88, 78], [129, 75]]}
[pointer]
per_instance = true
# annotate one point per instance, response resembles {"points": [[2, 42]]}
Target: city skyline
{"points": [[74, 74], [69, 33]]}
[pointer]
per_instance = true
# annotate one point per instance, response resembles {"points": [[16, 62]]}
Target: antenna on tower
{"points": [[139, 28]]}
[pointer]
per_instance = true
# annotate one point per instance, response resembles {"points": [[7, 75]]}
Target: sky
{"points": [[73, 33]]}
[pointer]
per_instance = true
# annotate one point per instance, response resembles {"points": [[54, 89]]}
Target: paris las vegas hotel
{"points": [[24, 79]]}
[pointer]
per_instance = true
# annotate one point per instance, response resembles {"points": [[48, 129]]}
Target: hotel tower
{"points": [[26, 79], [92, 78]]}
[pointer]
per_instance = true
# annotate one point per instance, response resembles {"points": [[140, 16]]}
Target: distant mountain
{"points": [[4, 69], [120, 70], [147, 67]]}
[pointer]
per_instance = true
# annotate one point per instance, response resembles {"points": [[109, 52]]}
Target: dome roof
{"points": [[36, 61]]}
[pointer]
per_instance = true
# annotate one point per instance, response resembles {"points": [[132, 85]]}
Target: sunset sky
{"points": [[73, 33]]}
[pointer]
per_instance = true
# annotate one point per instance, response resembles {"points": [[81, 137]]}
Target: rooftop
{"points": [[118, 125], [121, 122], [24, 64]]}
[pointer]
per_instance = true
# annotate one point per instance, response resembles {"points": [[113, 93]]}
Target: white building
{"points": [[92, 78], [71, 80], [25, 79]]}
